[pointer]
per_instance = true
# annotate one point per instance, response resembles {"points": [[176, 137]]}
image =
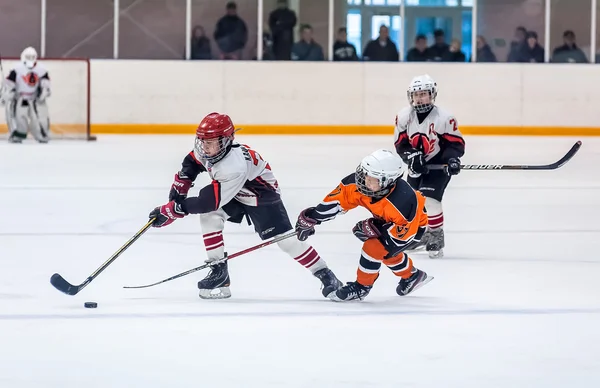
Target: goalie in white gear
{"points": [[24, 93], [427, 134]]}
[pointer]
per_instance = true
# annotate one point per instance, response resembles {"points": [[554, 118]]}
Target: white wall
{"points": [[341, 93], [180, 92]]}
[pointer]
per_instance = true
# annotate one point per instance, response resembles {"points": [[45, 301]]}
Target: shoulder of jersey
{"points": [[443, 113], [233, 163], [349, 180], [404, 199], [403, 115]]}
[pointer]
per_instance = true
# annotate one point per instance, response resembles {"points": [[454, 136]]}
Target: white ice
{"points": [[515, 302]]}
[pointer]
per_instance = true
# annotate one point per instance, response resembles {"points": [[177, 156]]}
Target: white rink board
{"points": [[514, 302], [179, 92]]}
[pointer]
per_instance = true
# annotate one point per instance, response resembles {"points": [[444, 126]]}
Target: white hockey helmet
{"points": [[29, 57], [386, 166], [422, 83]]}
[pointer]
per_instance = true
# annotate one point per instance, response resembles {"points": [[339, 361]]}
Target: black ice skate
{"points": [[16, 137], [329, 280], [418, 246], [352, 291], [216, 284], [435, 244], [416, 280]]}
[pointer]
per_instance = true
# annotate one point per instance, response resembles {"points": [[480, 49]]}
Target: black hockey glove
{"points": [[366, 229], [305, 225], [416, 162], [453, 167]]}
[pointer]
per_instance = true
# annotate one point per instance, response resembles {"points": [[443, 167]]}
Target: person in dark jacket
{"points": [[440, 50], [231, 33], [342, 50], [484, 51], [517, 45], [282, 22], [419, 53], [381, 49], [307, 49], [200, 44], [532, 51], [568, 52]]}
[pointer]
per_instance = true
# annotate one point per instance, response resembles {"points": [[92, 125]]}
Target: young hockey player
{"points": [[399, 220], [243, 185], [427, 134], [24, 95]]}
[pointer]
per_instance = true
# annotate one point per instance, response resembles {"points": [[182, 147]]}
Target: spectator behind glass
{"points": [[568, 52], [419, 53], [200, 44], [440, 50], [342, 50], [455, 53], [484, 51], [231, 33], [532, 51], [282, 22], [307, 49], [517, 45], [381, 49]]}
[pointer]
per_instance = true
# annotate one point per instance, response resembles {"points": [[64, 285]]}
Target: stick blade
{"points": [[62, 285]]}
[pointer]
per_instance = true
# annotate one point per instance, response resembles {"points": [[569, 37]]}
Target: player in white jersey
{"points": [[24, 95], [427, 134], [243, 186]]}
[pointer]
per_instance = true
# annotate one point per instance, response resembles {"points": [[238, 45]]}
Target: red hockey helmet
{"points": [[214, 137]]}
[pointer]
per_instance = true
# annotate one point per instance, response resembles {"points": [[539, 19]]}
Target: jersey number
{"points": [[453, 123]]}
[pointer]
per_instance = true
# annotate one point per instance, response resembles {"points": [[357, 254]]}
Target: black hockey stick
{"points": [[551, 166], [64, 286], [203, 266]]}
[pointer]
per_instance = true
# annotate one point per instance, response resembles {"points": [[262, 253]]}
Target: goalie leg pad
{"points": [[39, 121]]}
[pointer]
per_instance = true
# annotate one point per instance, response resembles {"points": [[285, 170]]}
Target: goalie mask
{"points": [[214, 137], [421, 93], [29, 57], [376, 175]]}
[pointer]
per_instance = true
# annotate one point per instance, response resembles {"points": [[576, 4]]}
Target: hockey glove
{"points": [[180, 187], [453, 166], [305, 226], [166, 214], [416, 163], [366, 229]]}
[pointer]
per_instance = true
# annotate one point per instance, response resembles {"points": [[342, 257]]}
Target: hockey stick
{"points": [[203, 266], [64, 286], [551, 166]]}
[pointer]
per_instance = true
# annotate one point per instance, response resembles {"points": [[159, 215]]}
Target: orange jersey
{"points": [[402, 210]]}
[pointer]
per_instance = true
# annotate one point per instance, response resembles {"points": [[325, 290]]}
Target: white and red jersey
{"points": [[27, 83], [434, 133], [242, 175]]}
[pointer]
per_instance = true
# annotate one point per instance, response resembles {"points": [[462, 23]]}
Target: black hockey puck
{"points": [[90, 305]]}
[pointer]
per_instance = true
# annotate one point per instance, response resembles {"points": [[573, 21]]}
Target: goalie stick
{"points": [[64, 286], [247, 250], [551, 166]]}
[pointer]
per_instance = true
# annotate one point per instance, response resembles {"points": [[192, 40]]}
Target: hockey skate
{"points": [[352, 291], [216, 284], [330, 282], [435, 244], [416, 280], [419, 246]]}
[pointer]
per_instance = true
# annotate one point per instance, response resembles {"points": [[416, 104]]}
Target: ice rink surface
{"points": [[515, 302]]}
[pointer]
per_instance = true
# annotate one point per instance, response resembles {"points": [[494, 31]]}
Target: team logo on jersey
{"points": [[422, 142], [31, 79]]}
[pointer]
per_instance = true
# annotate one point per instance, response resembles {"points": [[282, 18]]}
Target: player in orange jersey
{"points": [[399, 221]]}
